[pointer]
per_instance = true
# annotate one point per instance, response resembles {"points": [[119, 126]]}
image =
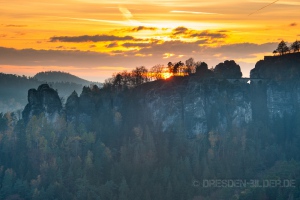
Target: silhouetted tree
{"points": [[139, 75], [170, 67], [201, 68], [282, 48], [177, 66], [295, 47]]}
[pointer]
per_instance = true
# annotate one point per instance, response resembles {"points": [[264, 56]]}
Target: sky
{"points": [[95, 38]]}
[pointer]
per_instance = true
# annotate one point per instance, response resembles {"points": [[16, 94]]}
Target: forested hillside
{"points": [[165, 139], [57, 76]]}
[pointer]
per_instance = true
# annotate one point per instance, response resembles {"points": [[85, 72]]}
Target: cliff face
{"points": [[193, 104], [199, 105], [43, 100], [280, 75]]}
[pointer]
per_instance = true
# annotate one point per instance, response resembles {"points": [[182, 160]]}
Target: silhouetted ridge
{"points": [[281, 67], [58, 76]]}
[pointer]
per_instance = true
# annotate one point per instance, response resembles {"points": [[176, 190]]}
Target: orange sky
{"points": [[95, 38]]}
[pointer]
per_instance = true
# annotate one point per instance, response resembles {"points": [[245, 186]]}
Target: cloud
{"points": [[113, 44], [242, 50], [143, 28], [15, 25], [92, 46], [179, 30], [293, 24], [246, 54], [176, 47], [129, 44], [88, 38], [206, 34]]}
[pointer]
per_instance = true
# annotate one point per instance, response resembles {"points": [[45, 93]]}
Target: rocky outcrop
{"points": [[284, 67], [72, 106], [43, 100], [229, 69]]}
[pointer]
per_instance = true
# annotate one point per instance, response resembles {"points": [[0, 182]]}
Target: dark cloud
{"points": [[113, 44], [293, 24], [142, 28], [14, 25], [176, 47], [92, 46], [127, 59], [67, 58], [129, 44], [60, 47], [205, 34], [223, 31], [242, 50], [189, 33], [179, 30], [89, 38]]}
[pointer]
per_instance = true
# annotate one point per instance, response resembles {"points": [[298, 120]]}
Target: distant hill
{"points": [[58, 76], [13, 88]]}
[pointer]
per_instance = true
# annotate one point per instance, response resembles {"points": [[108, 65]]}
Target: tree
{"points": [[190, 64], [177, 67], [282, 48], [123, 190], [157, 72], [139, 75], [295, 46], [170, 67], [201, 68]]}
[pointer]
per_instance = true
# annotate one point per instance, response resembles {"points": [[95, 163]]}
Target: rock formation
{"points": [[196, 104], [228, 69], [43, 100], [284, 67]]}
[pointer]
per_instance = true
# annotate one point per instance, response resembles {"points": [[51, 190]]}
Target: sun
{"points": [[166, 75]]}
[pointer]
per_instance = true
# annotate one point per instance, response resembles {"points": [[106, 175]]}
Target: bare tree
{"points": [[157, 72], [190, 65]]}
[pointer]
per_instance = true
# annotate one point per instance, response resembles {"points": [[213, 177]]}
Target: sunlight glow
{"points": [[166, 75]]}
